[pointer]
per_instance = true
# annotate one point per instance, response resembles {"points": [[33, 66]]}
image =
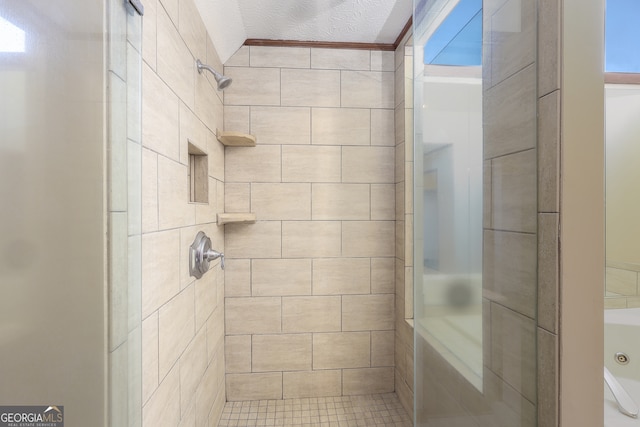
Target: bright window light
{"points": [[11, 37]]}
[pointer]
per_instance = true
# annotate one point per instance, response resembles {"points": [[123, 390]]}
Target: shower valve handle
{"points": [[201, 254], [211, 255]]}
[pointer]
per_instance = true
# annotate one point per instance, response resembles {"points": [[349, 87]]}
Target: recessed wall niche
{"points": [[198, 171]]}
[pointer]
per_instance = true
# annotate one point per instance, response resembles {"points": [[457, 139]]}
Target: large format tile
{"points": [[260, 315], [514, 193], [510, 263], [368, 380], [548, 270], [257, 164], [548, 381], [340, 126], [549, 50], [160, 269], [310, 88], [259, 240], [368, 165], [290, 352], [382, 127], [382, 348], [341, 276], [279, 57], [237, 350], [175, 63], [311, 314], [311, 164], [255, 386], [286, 201], [192, 29], [160, 113], [367, 312], [164, 406], [340, 59], [311, 384], [510, 118], [252, 86], [150, 356], [310, 239], [340, 202], [367, 89], [368, 238], [193, 364], [341, 350], [549, 153], [279, 277], [513, 349], [281, 125], [382, 275], [176, 328], [174, 209]]}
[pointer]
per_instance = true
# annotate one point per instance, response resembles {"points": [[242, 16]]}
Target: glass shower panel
{"points": [[475, 186], [124, 153]]}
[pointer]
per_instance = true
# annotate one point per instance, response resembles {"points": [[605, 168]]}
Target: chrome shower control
{"points": [[200, 254]]}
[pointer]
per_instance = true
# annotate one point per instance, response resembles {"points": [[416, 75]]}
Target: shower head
{"points": [[223, 81]]}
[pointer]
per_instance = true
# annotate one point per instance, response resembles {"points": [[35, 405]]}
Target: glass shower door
{"points": [[475, 213]]}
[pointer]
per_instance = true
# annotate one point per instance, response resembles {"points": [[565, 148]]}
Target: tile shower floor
{"points": [[351, 411]]}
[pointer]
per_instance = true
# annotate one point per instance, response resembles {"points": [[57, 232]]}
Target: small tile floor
{"points": [[350, 411]]}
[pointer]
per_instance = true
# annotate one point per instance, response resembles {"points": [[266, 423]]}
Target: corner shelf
{"points": [[236, 139], [227, 218]]}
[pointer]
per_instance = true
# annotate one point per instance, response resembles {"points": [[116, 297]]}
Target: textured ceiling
{"points": [[231, 22]]}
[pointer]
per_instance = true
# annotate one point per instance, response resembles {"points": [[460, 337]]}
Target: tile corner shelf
{"points": [[226, 218], [236, 139]]}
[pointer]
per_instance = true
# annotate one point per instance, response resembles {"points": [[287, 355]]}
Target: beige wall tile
{"points": [[291, 352], [341, 126], [175, 63], [149, 356], [237, 278], [193, 364], [236, 118], [163, 408], [367, 89], [324, 383], [368, 238], [237, 197], [513, 204], [382, 61], [172, 8], [208, 105], [340, 59], [513, 345], [548, 58], [281, 201], [254, 386], [149, 33], [613, 303], [192, 29], [309, 239], [252, 315], [340, 202], [382, 275], [240, 58], [513, 38], [311, 314], [368, 164], [547, 378], [367, 312], [206, 299], [281, 125], [257, 164], [341, 350], [118, 285], [237, 350], [549, 153], [160, 269], [399, 117], [206, 212], [623, 282], [310, 88], [279, 277], [382, 348], [176, 328], [207, 390], [311, 164], [487, 188], [400, 239], [510, 119], [510, 261], [174, 209], [216, 157], [279, 57], [382, 127], [548, 271], [259, 240], [383, 198], [408, 292], [160, 112], [193, 131], [367, 381], [253, 86], [149, 191], [215, 333], [341, 276]]}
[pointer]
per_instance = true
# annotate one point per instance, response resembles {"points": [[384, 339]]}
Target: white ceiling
{"points": [[231, 22]]}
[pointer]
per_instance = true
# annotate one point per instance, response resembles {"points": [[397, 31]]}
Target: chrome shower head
{"points": [[223, 81]]}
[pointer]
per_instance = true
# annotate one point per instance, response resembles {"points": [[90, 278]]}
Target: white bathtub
{"points": [[622, 334]]}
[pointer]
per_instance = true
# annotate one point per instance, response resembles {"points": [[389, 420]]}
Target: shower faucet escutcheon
{"points": [[201, 254]]}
